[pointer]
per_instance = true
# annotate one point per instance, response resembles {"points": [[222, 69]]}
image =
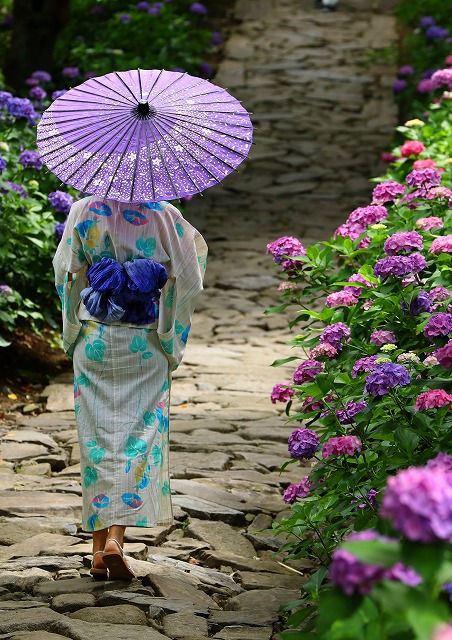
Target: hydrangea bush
{"points": [[372, 375]]}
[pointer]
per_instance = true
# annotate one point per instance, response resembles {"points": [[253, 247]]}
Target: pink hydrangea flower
{"points": [[430, 361], [425, 86], [295, 491], [281, 392], [438, 192], [324, 349], [364, 243], [287, 286], [309, 404], [443, 244], [432, 222], [444, 355], [424, 163], [386, 156], [387, 192], [412, 148], [364, 364], [432, 399], [286, 245], [443, 462], [366, 216], [341, 446], [403, 241], [442, 632], [341, 298], [380, 338], [307, 371], [352, 231], [442, 78], [357, 291], [439, 294]]}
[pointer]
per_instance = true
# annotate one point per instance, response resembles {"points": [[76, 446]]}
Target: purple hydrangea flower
{"points": [[439, 294], [341, 446], [443, 462], [295, 491], [31, 159], [124, 17], [363, 364], [422, 303], [444, 355], [399, 85], [425, 86], [403, 241], [59, 229], [353, 575], [20, 108], [143, 6], [205, 69], [357, 291], [443, 77], [5, 97], [281, 392], [388, 191], [427, 21], [41, 76], [70, 72], [406, 70], [307, 371], [334, 334], [400, 266], [217, 38], [386, 376], [58, 94], [382, 337], [3, 164], [423, 178], [435, 32], [345, 416], [61, 201], [199, 8], [439, 324], [366, 216], [37, 93], [5, 290], [303, 443], [18, 188], [285, 246], [418, 502], [371, 497], [154, 11]]}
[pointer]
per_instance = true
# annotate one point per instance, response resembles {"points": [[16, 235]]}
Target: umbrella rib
{"points": [[203, 126], [81, 138], [192, 156], [193, 181], [165, 88], [155, 82], [96, 95], [217, 142], [192, 86], [113, 88], [123, 154], [139, 82], [136, 161], [150, 162], [179, 116], [54, 135], [126, 86], [114, 106], [153, 125], [181, 99]]}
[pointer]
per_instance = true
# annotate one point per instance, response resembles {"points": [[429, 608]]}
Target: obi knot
{"points": [[127, 292]]}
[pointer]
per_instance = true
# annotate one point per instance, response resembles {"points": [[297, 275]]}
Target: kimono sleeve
{"points": [[70, 266], [179, 295]]}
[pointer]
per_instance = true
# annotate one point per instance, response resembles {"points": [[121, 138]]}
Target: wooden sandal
{"points": [[98, 574], [118, 569]]}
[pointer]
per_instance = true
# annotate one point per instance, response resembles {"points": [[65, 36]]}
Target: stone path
{"points": [[211, 574]]}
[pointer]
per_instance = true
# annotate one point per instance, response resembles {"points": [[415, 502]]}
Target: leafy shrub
{"points": [[373, 392]]}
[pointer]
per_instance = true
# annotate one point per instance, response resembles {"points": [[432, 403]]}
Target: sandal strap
{"points": [[114, 540], [94, 555]]}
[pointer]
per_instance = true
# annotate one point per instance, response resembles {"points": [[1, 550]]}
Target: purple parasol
{"points": [[140, 135]]}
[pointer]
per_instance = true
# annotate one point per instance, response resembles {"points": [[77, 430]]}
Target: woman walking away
{"points": [[128, 276]]}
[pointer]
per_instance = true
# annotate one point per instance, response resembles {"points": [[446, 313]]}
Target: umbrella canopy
{"points": [[143, 135]]}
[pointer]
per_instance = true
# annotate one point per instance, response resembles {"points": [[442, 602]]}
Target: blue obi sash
{"points": [[127, 292]]}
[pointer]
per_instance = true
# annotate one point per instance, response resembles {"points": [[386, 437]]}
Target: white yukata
{"points": [[122, 372]]}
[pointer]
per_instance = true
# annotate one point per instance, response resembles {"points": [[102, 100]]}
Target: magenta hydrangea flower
{"points": [[425, 86], [439, 294], [306, 371], [352, 231], [387, 192], [406, 70], [386, 376], [285, 246], [281, 392], [345, 416], [423, 178], [403, 241], [442, 78], [341, 298], [443, 244], [363, 364], [439, 324], [399, 85], [294, 491], [443, 462], [400, 266], [341, 446], [432, 222], [433, 399], [309, 404], [444, 355], [357, 291], [334, 334], [366, 216], [382, 337], [303, 444], [352, 575], [324, 349], [418, 502], [412, 148]]}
